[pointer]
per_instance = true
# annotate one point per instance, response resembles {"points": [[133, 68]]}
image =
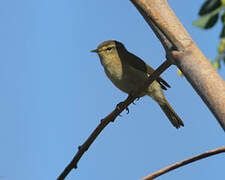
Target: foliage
{"points": [[210, 12]]}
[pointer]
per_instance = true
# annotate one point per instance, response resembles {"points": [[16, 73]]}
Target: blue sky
{"points": [[54, 93]]}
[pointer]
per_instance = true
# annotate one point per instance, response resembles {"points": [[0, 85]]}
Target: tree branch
{"points": [[184, 162], [186, 55], [110, 118], [166, 42]]}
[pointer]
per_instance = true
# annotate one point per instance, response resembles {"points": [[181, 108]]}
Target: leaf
{"points": [[216, 65], [223, 18], [221, 46], [209, 6], [206, 21], [222, 34], [223, 2], [209, 20]]}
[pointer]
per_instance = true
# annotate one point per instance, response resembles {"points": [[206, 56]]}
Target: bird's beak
{"points": [[95, 51]]}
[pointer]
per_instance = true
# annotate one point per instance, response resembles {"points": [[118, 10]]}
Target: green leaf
{"points": [[222, 34], [209, 6], [207, 21], [216, 65], [223, 2], [221, 46], [223, 18]]}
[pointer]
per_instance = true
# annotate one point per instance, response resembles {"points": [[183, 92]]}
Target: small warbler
{"points": [[127, 72]]}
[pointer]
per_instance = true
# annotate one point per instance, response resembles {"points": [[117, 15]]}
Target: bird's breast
{"points": [[124, 77], [114, 71]]}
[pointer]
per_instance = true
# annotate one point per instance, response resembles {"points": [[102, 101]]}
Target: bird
{"points": [[127, 71]]}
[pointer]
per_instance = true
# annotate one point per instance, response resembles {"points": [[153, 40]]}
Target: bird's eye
{"points": [[108, 49]]}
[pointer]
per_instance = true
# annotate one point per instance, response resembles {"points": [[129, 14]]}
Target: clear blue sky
{"points": [[54, 93]]}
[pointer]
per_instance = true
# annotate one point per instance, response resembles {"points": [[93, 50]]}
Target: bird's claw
{"points": [[137, 99], [127, 109], [118, 106]]}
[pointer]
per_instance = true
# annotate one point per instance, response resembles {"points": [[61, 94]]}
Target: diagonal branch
{"points": [[169, 47], [110, 118], [184, 162], [166, 42], [186, 55]]}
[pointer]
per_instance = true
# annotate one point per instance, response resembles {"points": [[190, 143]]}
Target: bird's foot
{"points": [[135, 101], [120, 105]]}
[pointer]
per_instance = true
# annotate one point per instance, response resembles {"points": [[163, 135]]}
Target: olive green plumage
{"points": [[128, 71]]}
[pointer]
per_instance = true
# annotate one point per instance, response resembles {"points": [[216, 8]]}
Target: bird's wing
{"points": [[140, 65], [160, 80], [162, 83]]}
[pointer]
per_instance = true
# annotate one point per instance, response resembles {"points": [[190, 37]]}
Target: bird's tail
{"points": [[171, 114]]}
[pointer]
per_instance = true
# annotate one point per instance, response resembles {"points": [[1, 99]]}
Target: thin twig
{"points": [[184, 162], [110, 118], [169, 47]]}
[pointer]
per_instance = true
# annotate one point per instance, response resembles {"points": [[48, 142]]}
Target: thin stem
{"points": [[110, 118], [184, 162]]}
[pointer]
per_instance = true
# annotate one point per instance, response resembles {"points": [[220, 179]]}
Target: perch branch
{"points": [[184, 162], [169, 47], [110, 118]]}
